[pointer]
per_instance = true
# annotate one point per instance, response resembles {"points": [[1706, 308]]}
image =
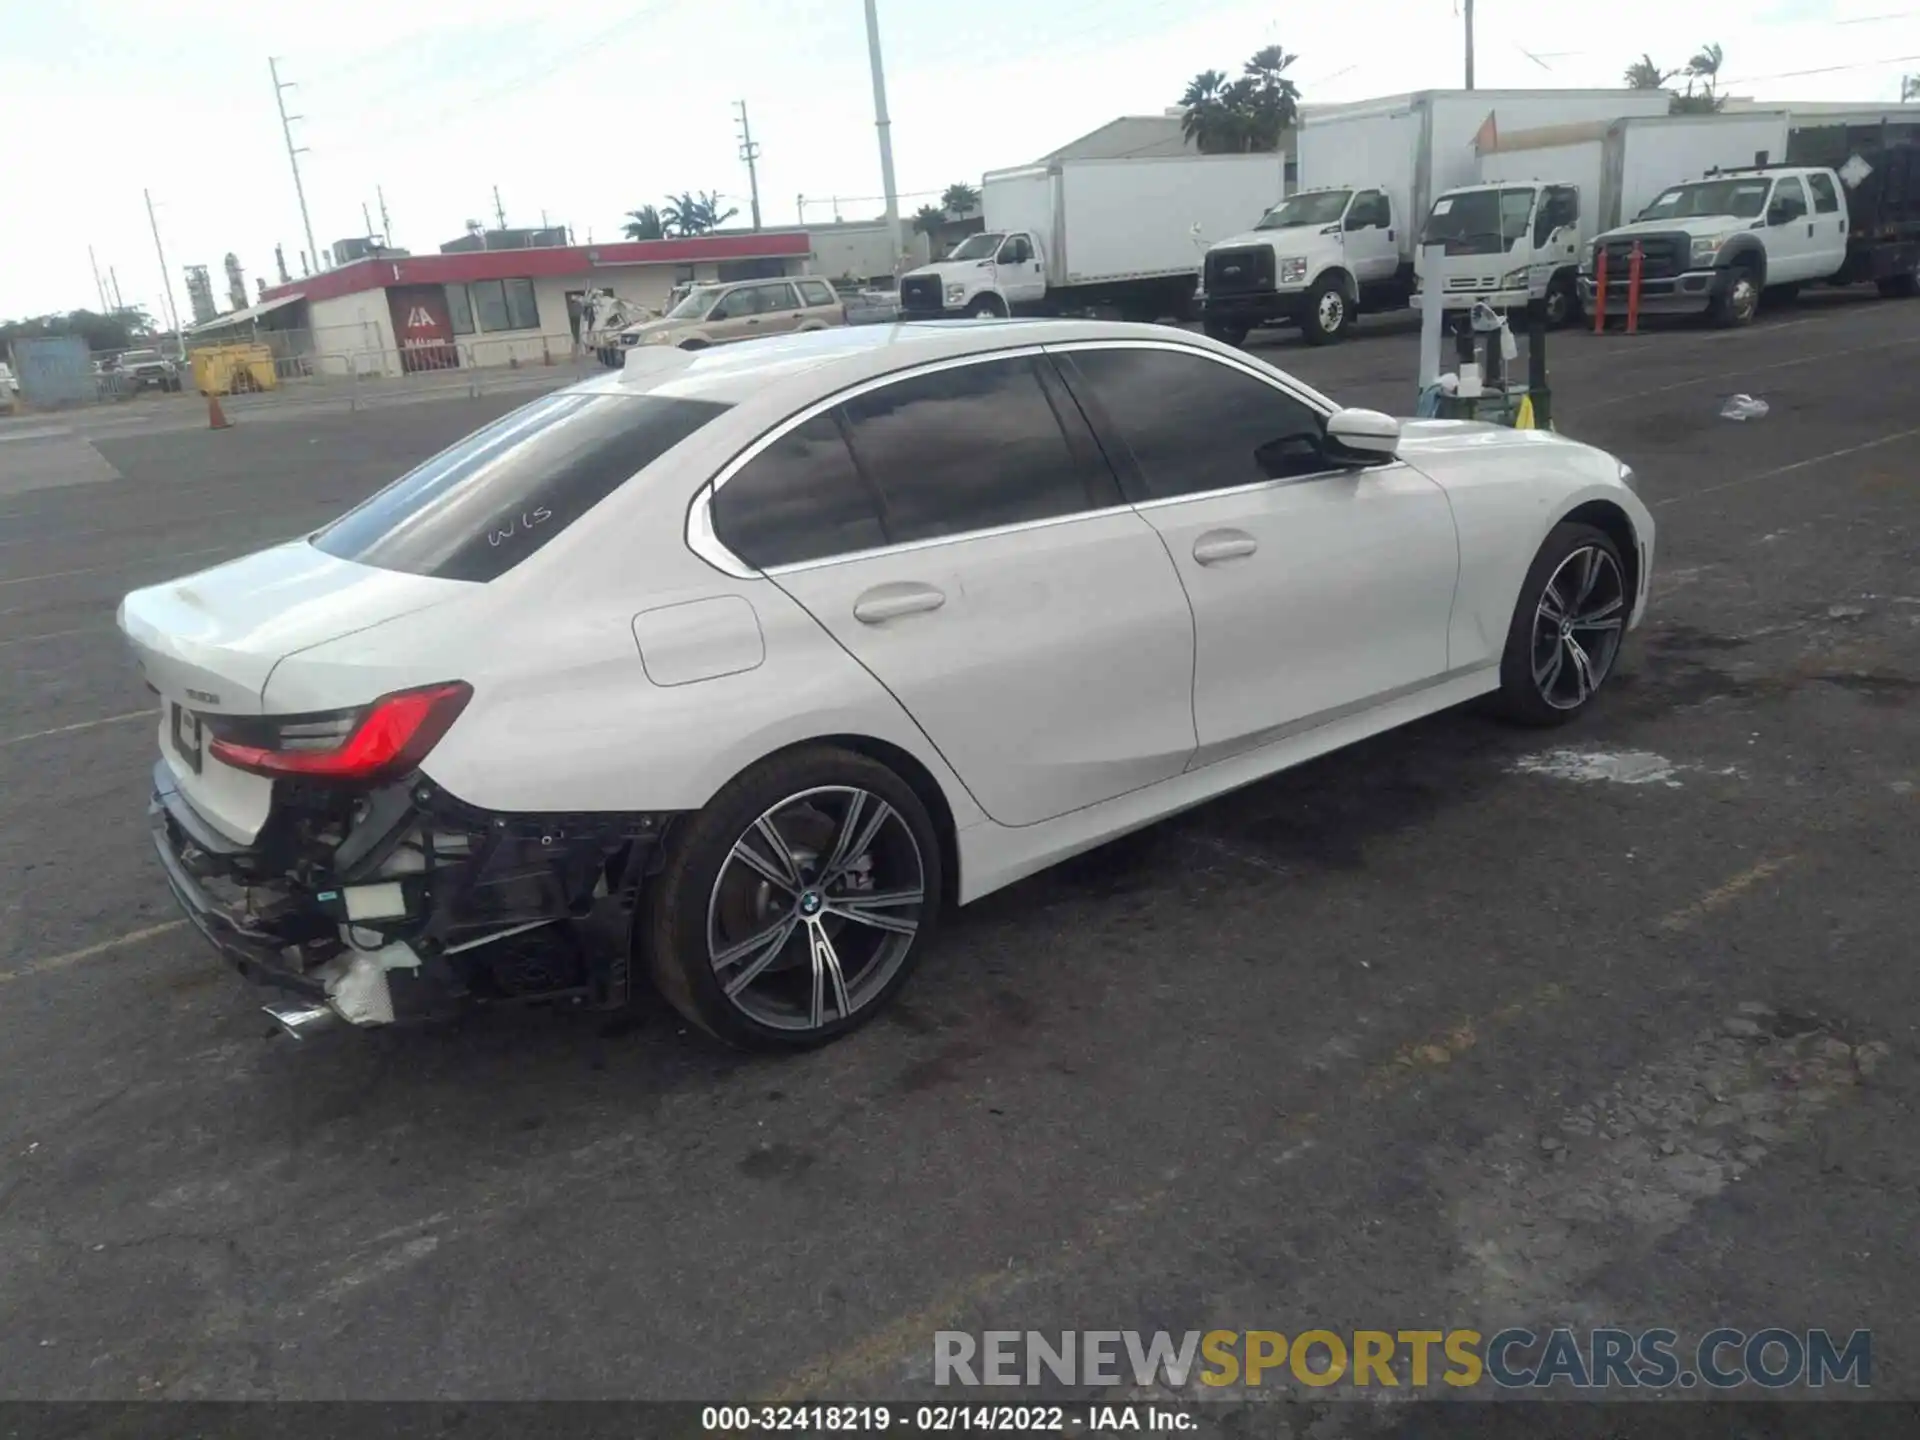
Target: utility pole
{"points": [[750, 153], [386, 225], [280, 88], [498, 209], [99, 285], [800, 205], [885, 127], [366, 219], [113, 283], [1467, 6], [166, 277]]}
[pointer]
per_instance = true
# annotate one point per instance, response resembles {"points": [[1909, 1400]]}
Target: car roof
{"points": [[848, 354]]}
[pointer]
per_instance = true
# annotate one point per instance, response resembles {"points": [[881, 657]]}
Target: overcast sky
{"points": [[438, 101]]}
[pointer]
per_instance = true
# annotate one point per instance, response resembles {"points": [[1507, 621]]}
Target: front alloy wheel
{"points": [[794, 906], [1577, 627], [1567, 628]]}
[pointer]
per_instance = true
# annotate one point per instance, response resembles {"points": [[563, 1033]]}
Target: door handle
{"points": [[888, 602], [1218, 545]]}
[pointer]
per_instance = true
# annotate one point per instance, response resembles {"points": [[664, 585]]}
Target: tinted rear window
{"points": [[479, 508]]}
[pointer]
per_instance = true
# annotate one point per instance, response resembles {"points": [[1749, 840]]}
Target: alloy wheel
{"points": [[1744, 300], [1333, 311], [815, 908], [1577, 627]]}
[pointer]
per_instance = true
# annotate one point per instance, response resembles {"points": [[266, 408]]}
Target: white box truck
{"points": [[1079, 236], [1548, 191], [1369, 173]]}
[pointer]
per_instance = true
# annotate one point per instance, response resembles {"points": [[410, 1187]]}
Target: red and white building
{"points": [[488, 307]]}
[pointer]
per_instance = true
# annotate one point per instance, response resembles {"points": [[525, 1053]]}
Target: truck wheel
{"points": [[1562, 303], [1739, 302], [987, 307], [1902, 287], [1234, 335], [1328, 316]]}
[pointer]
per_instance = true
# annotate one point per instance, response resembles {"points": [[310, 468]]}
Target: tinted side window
{"points": [[817, 292], [1825, 200], [1789, 197], [738, 304], [1192, 424], [799, 499], [970, 448], [476, 510]]}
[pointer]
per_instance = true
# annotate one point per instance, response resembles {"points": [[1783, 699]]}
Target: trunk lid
{"points": [[209, 642]]}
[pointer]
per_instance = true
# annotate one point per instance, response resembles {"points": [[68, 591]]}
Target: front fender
{"points": [[1741, 252]]}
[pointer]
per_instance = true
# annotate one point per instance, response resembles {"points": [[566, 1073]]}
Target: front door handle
{"points": [[890, 601], [1218, 545]]}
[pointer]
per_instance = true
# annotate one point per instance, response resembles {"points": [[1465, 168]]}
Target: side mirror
{"points": [[1366, 432]]}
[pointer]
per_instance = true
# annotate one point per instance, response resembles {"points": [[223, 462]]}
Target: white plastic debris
{"points": [[1744, 407]]}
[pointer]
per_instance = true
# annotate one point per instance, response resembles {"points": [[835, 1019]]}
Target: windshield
{"points": [[696, 305], [476, 510], [140, 355], [1744, 199], [978, 247], [1321, 207], [1479, 222]]}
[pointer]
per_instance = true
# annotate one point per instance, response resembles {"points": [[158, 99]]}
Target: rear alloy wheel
{"points": [[793, 907], [1328, 314], [1567, 629]]}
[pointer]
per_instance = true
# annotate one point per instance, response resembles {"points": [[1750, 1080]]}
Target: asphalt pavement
{"points": [[1466, 1026]]}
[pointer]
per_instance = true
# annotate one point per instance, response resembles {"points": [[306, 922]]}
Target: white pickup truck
{"points": [[1718, 244], [1315, 260]]}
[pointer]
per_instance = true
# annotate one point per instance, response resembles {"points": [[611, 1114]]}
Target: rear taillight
{"points": [[388, 737]]}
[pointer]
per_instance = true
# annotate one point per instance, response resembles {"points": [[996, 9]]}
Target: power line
{"points": [[1821, 70]]}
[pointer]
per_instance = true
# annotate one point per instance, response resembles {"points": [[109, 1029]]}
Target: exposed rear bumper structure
{"points": [[401, 903]]}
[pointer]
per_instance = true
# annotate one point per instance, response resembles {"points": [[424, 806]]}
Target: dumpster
{"points": [[233, 369]]}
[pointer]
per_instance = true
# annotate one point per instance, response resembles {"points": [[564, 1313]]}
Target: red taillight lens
{"points": [[394, 734]]}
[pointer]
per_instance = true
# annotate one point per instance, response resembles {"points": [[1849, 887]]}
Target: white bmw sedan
{"points": [[767, 653]]}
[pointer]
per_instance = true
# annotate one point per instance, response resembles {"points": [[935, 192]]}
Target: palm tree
{"points": [[961, 199], [1208, 120], [645, 224], [694, 214], [928, 219], [1643, 74], [1271, 101]]}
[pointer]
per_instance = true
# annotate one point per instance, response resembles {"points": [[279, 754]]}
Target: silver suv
{"points": [[743, 310]]}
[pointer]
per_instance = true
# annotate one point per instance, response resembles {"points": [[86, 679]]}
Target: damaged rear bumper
{"points": [[402, 903]]}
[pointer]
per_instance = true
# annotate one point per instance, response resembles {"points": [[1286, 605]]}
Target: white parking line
{"points": [[83, 725], [54, 635], [1722, 378], [123, 565], [74, 957], [1780, 470]]}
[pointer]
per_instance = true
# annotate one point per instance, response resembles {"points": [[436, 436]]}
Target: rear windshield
{"points": [[479, 508]]}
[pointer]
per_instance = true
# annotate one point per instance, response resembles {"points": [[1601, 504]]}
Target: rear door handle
{"points": [[1218, 545], [897, 598]]}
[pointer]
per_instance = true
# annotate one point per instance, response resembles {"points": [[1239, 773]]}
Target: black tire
{"points": [[1328, 315], [1562, 304], [1542, 684], [707, 896], [986, 307], [1736, 306], [1234, 335], [1901, 287]]}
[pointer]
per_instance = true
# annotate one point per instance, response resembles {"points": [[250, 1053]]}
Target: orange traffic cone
{"points": [[216, 417]]}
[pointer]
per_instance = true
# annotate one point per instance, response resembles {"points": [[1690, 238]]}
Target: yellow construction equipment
{"points": [[233, 369]]}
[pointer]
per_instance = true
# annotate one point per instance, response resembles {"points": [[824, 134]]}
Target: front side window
{"points": [[479, 508], [1368, 211], [1192, 424], [1016, 251], [970, 448], [800, 499], [739, 304]]}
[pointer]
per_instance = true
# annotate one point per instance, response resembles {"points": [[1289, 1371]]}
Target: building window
{"points": [[460, 309], [493, 305]]}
